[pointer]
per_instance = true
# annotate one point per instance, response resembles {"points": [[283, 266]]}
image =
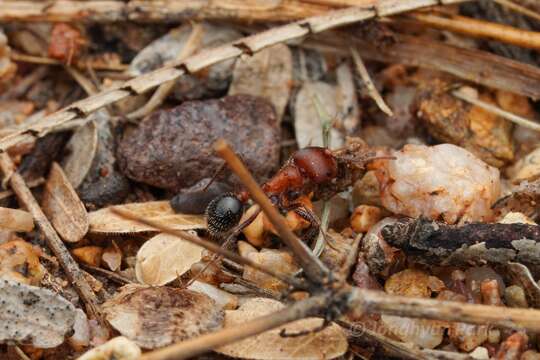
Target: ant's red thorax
{"points": [[306, 168]]}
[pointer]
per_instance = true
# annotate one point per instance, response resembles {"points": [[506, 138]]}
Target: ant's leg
{"points": [[310, 234], [216, 174], [315, 226]]}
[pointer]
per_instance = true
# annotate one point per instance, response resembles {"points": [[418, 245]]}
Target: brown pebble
{"points": [[172, 149]]}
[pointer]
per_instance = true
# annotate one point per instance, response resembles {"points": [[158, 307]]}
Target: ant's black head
{"points": [[223, 213]]}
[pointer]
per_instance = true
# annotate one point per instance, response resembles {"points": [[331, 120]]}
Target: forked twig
{"points": [[215, 248], [312, 266]]}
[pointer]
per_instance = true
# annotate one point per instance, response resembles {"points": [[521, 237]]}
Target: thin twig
{"points": [[370, 301], [516, 119], [370, 87], [297, 283], [69, 265], [519, 9], [15, 56], [312, 266], [205, 58], [481, 28], [191, 46]]}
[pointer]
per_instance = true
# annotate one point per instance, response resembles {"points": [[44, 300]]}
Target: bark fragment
{"points": [[433, 242]]}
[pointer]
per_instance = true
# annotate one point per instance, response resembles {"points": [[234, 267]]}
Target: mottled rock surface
{"points": [[172, 149]]}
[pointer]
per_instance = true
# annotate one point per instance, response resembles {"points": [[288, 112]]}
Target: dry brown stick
{"points": [[191, 46], [519, 9], [482, 29], [370, 301], [205, 343], [314, 269], [215, 248], [205, 58], [371, 89], [70, 267]]}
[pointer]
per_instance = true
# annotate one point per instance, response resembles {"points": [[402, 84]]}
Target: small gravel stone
{"points": [[172, 149]]}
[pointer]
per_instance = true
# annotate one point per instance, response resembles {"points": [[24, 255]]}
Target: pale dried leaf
{"points": [[165, 257], [154, 317], [308, 120], [112, 257], [118, 348], [63, 207], [105, 221], [326, 344], [32, 315], [81, 150], [16, 220], [268, 74], [277, 260]]}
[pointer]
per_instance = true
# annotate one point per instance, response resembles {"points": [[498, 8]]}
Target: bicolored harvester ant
{"points": [[312, 173]]}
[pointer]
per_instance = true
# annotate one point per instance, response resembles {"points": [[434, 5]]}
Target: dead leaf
{"points": [[63, 207], [34, 316], [90, 255], [154, 317], [16, 220], [325, 344], [277, 260], [268, 74], [118, 348], [165, 257], [104, 221], [112, 256], [81, 150], [20, 262], [422, 332], [307, 123]]}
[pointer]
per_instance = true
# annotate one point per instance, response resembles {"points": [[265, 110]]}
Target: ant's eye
{"points": [[223, 213]]}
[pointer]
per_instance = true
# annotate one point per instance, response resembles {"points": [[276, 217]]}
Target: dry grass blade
{"points": [[315, 270], [372, 90], [205, 58], [516, 119], [209, 246]]}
